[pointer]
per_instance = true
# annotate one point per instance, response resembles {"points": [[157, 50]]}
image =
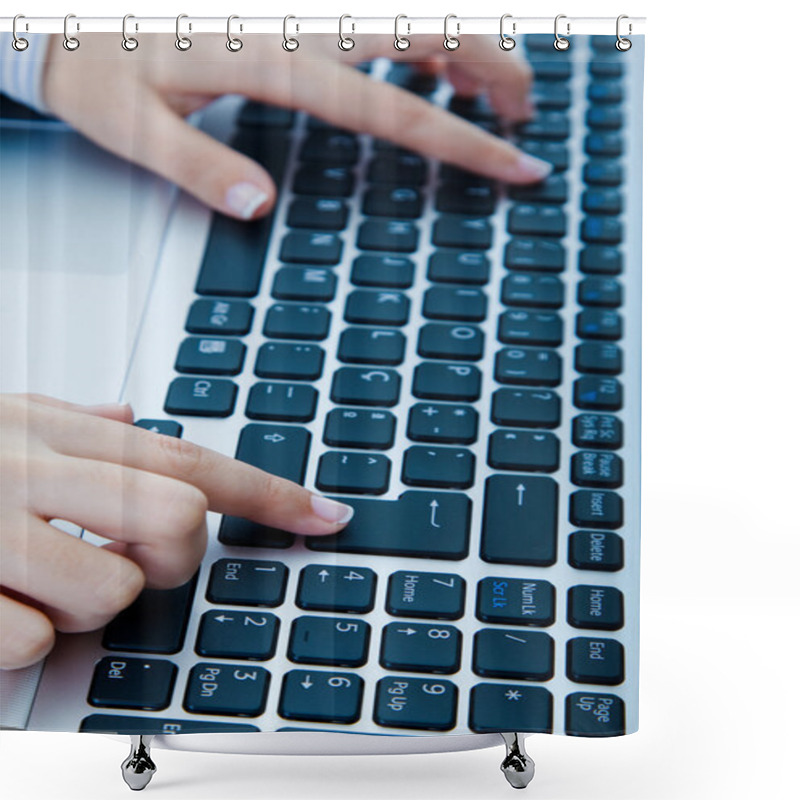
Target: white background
{"points": [[721, 522]]}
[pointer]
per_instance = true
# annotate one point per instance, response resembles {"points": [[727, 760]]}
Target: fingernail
{"points": [[244, 199], [330, 510], [533, 168]]}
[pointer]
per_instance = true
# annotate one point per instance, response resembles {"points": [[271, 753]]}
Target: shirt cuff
{"points": [[21, 72]]}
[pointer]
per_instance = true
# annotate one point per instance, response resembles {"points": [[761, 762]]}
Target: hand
{"points": [[147, 492], [133, 104]]}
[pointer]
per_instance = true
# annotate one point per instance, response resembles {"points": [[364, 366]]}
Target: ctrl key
{"points": [[143, 683], [594, 715], [201, 397], [419, 703]]}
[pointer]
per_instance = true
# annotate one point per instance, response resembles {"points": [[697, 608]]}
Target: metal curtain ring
{"points": [[451, 42], [18, 43], [183, 43], [289, 43], [400, 42], [506, 42], [623, 44], [129, 43], [345, 42], [233, 44], [70, 43], [561, 43]]}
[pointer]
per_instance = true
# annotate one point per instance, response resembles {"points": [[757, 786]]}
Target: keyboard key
{"points": [[600, 260], [459, 266], [226, 689], [516, 601], [446, 381], [319, 213], [499, 653], [201, 397], [599, 661], [247, 582], [403, 169], [304, 283], [597, 550], [602, 201], [335, 641], [554, 152], [438, 340], [604, 292], [530, 289], [458, 230], [465, 198], [599, 323], [442, 467], [131, 725], [242, 532], [528, 366], [289, 402], [597, 430], [421, 648], [595, 509], [448, 424], [391, 272], [519, 520], [536, 220], [429, 595], [456, 303], [329, 588], [403, 202], [294, 321], [549, 96], [221, 317], [601, 358], [535, 255], [523, 450], [394, 235], [602, 172], [605, 92], [601, 470], [547, 126], [418, 524], [529, 409], [376, 308], [278, 449], [597, 393], [263, 115], [237, 634], [291, 361], [330, 147], [594, 715], [321, 696], [597, 607], [210, 356], [418, 703], [357, 427], [605, 145], [501, 707], [319, 181], [601, 230], [361, 386], [605, 117], [358, 473], [551, 190], [311, 247], [166, 427], [530, 327], [123, 682], [472, 108]]}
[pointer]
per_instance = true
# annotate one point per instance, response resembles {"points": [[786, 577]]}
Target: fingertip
{"points": [[331, 511], [247, 200]]}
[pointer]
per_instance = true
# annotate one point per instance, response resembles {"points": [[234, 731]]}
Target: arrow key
{"points": [[237, 634], [321, 696], [328, 588], [421, 648]]}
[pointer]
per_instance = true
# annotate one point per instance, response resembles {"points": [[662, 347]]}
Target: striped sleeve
{"points": [[21, 73]]}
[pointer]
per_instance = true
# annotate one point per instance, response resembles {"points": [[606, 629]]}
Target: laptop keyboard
{"points": [[457, 360]]}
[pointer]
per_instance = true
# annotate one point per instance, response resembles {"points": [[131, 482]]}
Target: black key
{"points": [[537, 255], [599, 661], [605, 145], [605, 92], [523, 450], [457, 303], [210, 356], [551, 190], [358, 427], [549, 96], [499, 653], [429, 595], [498, 707], [594, 715], [278, 449], [530, 409], [547, 126], [418, 703], [596, 550], [603, 172], [260, 114], [359, 473], [599, 323], [459, 266], [556, 69], [530, 327], [361, 386], [222, 317], [330, 147], [528, 366], [421, 648], [403, 202], [595, 509], [519, 520], [597, 430], [319, 213], [234, 257], [371, 346], [601, 470], [334, 641], [601, 230], [442, 467], [607, 69], [472, 108], [448, 424], [304, 283], [237, 634], [392, 272], [407, 77], [465, 198], [327, 588], [597, 607], [418, 524], [602, 201], [369, 307], [600, 260], [130, 725], [438, 340], [154, 623], [403, 169], [311, 247], [394, 235], [603, 292], [554, 152], [243, 532], [536, 220], [291, 361], [446, 381], [320, 181], [321, 696], [247, 582], [600, 358], [201, 397], [597, 393], [516, 601], [530, 289], [123, 682], [605, 117], [226, 689], [458, 230], [449, 173], [166, 427], [294, 321], [267, 147], [288, 402]]}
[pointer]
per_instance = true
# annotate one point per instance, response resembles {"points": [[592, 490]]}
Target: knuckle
{"points": [[184, 510], [183, 458], [122, 582]]}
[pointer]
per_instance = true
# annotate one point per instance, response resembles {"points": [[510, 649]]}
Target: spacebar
{"points": [[417, 524]]}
